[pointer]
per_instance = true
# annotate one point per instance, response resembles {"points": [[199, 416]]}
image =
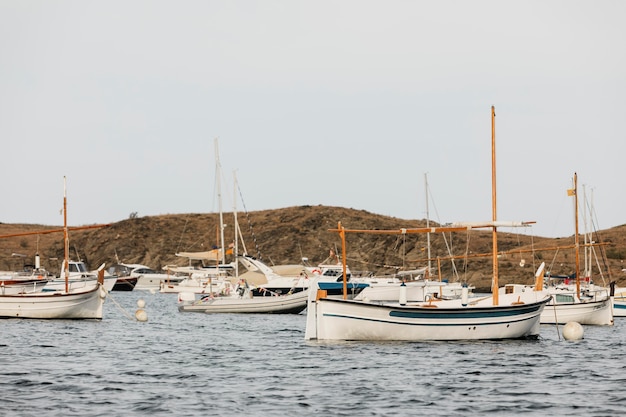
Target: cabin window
{"points": [[564, 298]]}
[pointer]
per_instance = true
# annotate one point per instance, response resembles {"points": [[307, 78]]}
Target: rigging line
{"points": [[532, 247], [180, 240], [455, 271], [595, 230], [554, 259], [357, 261], [245, 210]]}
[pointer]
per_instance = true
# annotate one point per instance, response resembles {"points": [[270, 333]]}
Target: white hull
{"points": [[589, 312], [619, 303], [283, 304], [51, 305], [198, 286], [338, 319], [619, 308], [153, 283]]}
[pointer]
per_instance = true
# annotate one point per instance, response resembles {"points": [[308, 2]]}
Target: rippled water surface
{"points": [[243, 365]]}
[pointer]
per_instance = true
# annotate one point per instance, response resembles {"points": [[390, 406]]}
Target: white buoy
{"points": [[573, 331], [141, 314], [402, 297]]}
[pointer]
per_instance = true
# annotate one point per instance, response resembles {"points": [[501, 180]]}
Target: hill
{"points": [[285, 236]]}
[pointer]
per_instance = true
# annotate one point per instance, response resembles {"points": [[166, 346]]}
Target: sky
{"points": [[353, 103]]}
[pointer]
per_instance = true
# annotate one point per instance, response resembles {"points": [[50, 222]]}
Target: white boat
{"points": [[151, 280], [591, 306], [339, 319], [10, 284], [80, 278], [242, 301], [55, 305], [329, 278], [505, 316], [218, 285], [85, 304], [565, 306]]}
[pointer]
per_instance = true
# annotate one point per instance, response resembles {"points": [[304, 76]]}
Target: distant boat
{"points": [[568, 301], [216, 283], [143, 277], [506, 316], [242, 301], [79, 278]]}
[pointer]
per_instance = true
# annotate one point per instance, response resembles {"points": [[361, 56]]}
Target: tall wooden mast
{"points": [[576, 239], [66, 239], [494, 283]]}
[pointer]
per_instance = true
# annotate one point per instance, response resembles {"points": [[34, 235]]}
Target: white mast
{"points": [[218, 178], [236, 242]]}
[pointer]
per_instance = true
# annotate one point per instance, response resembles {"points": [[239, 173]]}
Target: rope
{"points": [[120, 307], [556, 321]]}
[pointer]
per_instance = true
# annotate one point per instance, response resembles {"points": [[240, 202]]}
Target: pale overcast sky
{"points": [[340, 103]]}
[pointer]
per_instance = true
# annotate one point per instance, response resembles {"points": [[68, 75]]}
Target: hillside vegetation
{"points": [[285, 236]]}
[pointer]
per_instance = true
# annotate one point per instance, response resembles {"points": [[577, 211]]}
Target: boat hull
{"points": [[51, 305], [336, 319], [125, 284], [284, 304], [619, 303], [589, 312]]}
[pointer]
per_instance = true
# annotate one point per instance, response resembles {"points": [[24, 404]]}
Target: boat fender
{"points": [[464, 294], [403, 296], [102, 292]]}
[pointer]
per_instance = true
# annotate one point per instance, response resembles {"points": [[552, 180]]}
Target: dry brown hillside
{"points": [[284, 236]]}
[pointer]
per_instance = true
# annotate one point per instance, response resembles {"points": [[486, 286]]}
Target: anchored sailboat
{"points": [[67, 304], [499, 316]]}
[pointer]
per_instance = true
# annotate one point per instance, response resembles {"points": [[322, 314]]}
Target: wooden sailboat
{"points": [[567, 305], [499, 316], [84, 304]]}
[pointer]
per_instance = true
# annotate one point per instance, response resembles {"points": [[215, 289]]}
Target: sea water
{"points": [[190, 364]]}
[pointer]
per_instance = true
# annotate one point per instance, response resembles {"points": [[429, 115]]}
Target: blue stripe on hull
{"points": [[470, 313], [438, 324]]}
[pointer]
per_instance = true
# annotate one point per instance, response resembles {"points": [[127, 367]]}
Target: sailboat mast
{"points": [[218, 178], [427, 225], [576, 239], [66, 240], [236, 242], [494, 283], [342, 234]]}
